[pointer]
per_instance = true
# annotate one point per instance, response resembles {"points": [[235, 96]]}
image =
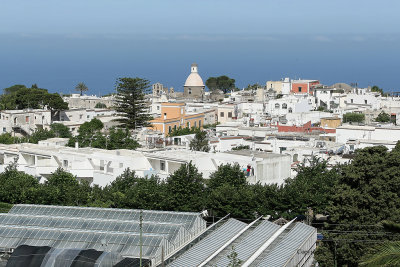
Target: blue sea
{"points": [[59, 62]]}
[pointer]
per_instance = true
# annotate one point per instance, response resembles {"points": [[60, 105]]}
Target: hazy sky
{"points": [[59, 43]]}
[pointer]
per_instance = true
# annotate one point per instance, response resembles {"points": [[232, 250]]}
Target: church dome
{"points": [[194, 78]]}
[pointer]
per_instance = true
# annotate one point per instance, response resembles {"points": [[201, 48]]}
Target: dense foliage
{"points": [[359, 197], [367, 192], [56, 130], [90, 134], [130, 102], [223, 83], [383, 117], [354, 117], [376, 88], [227, 191], [200, 142], [100, 105], [183, 131], [21, 97]]}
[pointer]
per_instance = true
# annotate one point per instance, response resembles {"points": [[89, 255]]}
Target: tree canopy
{"points": [[200, 142], [367, 192], [376, 88], [354, 117], [223, 83], [183, 131], [21, 97], [362, 199], [90, 134], [130, 102], [383, 117], [100, 105], [81, 87]]}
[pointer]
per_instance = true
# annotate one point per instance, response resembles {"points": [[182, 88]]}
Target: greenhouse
{"points": [[128, 233]]}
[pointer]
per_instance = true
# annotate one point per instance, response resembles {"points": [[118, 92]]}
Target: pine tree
{"points": [[130, 102]]}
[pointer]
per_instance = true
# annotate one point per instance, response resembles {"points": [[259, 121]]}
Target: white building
{"points": [[101, 167], [372, 134], [24, 122], [76, 101], [290, 104], [227, 113]]}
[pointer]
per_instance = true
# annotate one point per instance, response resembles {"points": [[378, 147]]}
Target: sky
{"points": [[57, 44]]}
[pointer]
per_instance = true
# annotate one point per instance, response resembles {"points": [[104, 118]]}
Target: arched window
{"points": [[277, 105], [284, 106], [290, 110]]}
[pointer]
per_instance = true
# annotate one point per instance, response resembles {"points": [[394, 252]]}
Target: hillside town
{"points": [[196, 174], [267, 129]]}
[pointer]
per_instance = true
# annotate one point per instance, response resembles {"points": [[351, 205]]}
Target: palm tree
{"points": [[81, 87], [387, 254]]}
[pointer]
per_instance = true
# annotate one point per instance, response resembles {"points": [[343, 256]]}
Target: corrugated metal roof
{"points": [[252, 242], [203, 249], [288, 246]]}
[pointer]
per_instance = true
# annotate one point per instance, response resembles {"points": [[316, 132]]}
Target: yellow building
{"points": [[173, 116], [330, 122], [274, 85]]}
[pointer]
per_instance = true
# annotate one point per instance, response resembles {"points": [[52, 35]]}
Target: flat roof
{"points": [[258, 154]]}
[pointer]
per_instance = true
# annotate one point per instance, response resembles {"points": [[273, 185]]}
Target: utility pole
{"points": [[140, 236], [162, 256]]}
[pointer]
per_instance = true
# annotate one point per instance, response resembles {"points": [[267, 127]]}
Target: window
{"points": [[190, 91], [199, 123], [4, 129], [80, 116], [195, 124], [229, 114], [87, 117], [300, 88], [101, 165], [365, 101], [162, 165], [290, 110], [169, 129], [175, 127], [121, 165], [27, 119], [277, 105], [158, 107], [65, 163], [188, 124], [165, 116], [351, 101], [221, 114], [284, 106]]}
